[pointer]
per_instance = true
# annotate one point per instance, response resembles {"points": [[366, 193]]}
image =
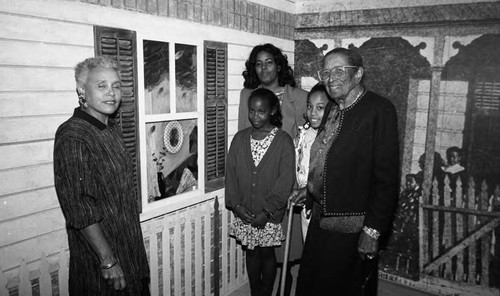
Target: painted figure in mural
{"points": [[267, 67], [453, 170], [404, 241], [259, 178], [437, 171], [353, 182], [94, 182], [317, 100]]}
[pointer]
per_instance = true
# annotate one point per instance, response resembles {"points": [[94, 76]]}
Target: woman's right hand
{"points": [[298, 196], [244, 214], [115, 277]]}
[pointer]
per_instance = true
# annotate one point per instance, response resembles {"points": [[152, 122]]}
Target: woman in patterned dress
{"points": [[259, 177], [94, 181]]}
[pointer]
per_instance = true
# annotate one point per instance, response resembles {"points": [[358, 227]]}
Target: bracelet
{"points": [[109, 265], [373, 233]]}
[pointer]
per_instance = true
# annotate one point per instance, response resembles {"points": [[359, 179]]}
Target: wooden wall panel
{"points": [[232, 112], [24, 53], [24, 179], [18, 27], [29, 129], [33, 79], [30, 249], [235, 67], [232, 128], [31, 226], [234, 97], [27, 203], [41, 43], [235, 83], [26, 154], [15, 104], [239, 51]]}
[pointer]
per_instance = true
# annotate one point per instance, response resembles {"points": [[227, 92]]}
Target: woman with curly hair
{"points": [[267, 67]]}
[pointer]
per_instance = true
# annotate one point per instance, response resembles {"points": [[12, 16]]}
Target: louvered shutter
{"points": [[121, 45], [215, 114], [487, 95]]}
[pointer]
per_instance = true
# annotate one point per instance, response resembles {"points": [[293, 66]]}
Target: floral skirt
{"points": [[269, 236]]}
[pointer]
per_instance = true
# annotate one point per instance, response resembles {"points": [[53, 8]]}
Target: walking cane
{"points": [[287, 248]]}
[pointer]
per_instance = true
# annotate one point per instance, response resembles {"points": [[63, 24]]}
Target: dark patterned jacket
{"points": [[361, 175]]}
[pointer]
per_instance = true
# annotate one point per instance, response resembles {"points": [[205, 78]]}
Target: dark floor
{"points": [[385, 288]]}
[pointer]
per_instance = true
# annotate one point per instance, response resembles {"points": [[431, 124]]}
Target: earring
{"points": [[83, 101]]}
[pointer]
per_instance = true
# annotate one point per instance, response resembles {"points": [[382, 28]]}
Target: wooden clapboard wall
{"points": [[37, 93], [41, 43]]}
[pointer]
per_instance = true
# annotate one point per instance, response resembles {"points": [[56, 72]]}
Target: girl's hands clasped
{"points": [[244, 214], [260, 220]]}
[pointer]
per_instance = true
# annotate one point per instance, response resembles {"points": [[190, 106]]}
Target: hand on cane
{"points": [[298, 197]]}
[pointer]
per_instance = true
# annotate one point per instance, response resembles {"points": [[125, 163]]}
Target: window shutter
{"points": [[215, 114], [487, 95], [121, 45]]}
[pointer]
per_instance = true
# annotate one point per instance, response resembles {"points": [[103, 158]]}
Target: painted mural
{"points": [[172, 159], [185, 77], [171, 145], [156, 77], [447, 221]]}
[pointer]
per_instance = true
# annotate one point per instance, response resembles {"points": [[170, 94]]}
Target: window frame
{"points": [[200, 194], [156, 208]]}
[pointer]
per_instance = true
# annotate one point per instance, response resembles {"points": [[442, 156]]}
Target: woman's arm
{"points": [[74, 183], [385, 170], [110, 265]]}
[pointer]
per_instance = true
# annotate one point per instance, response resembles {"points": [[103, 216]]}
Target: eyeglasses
{"points": [[336, 72]]}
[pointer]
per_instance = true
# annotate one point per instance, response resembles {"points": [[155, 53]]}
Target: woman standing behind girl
{"points": [[317, 102], [259, 178], [267, 67]]}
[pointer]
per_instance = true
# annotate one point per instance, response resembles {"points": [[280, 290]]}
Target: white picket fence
{"points": [[180, 247]]}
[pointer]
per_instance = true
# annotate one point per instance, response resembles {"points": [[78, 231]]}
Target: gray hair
{"points": [[83, 68]]}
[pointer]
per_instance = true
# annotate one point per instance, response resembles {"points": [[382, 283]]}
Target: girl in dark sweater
{"points": [[259, 177]]}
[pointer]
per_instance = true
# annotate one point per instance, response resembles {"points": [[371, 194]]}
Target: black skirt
{"points": [[331, 265]]}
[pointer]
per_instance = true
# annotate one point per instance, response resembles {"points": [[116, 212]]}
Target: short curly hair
{"points": [[285, 74], [83, 68]]}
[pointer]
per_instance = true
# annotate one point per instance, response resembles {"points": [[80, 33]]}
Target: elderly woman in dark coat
{"points": [[353, 183], [95, 187]]}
